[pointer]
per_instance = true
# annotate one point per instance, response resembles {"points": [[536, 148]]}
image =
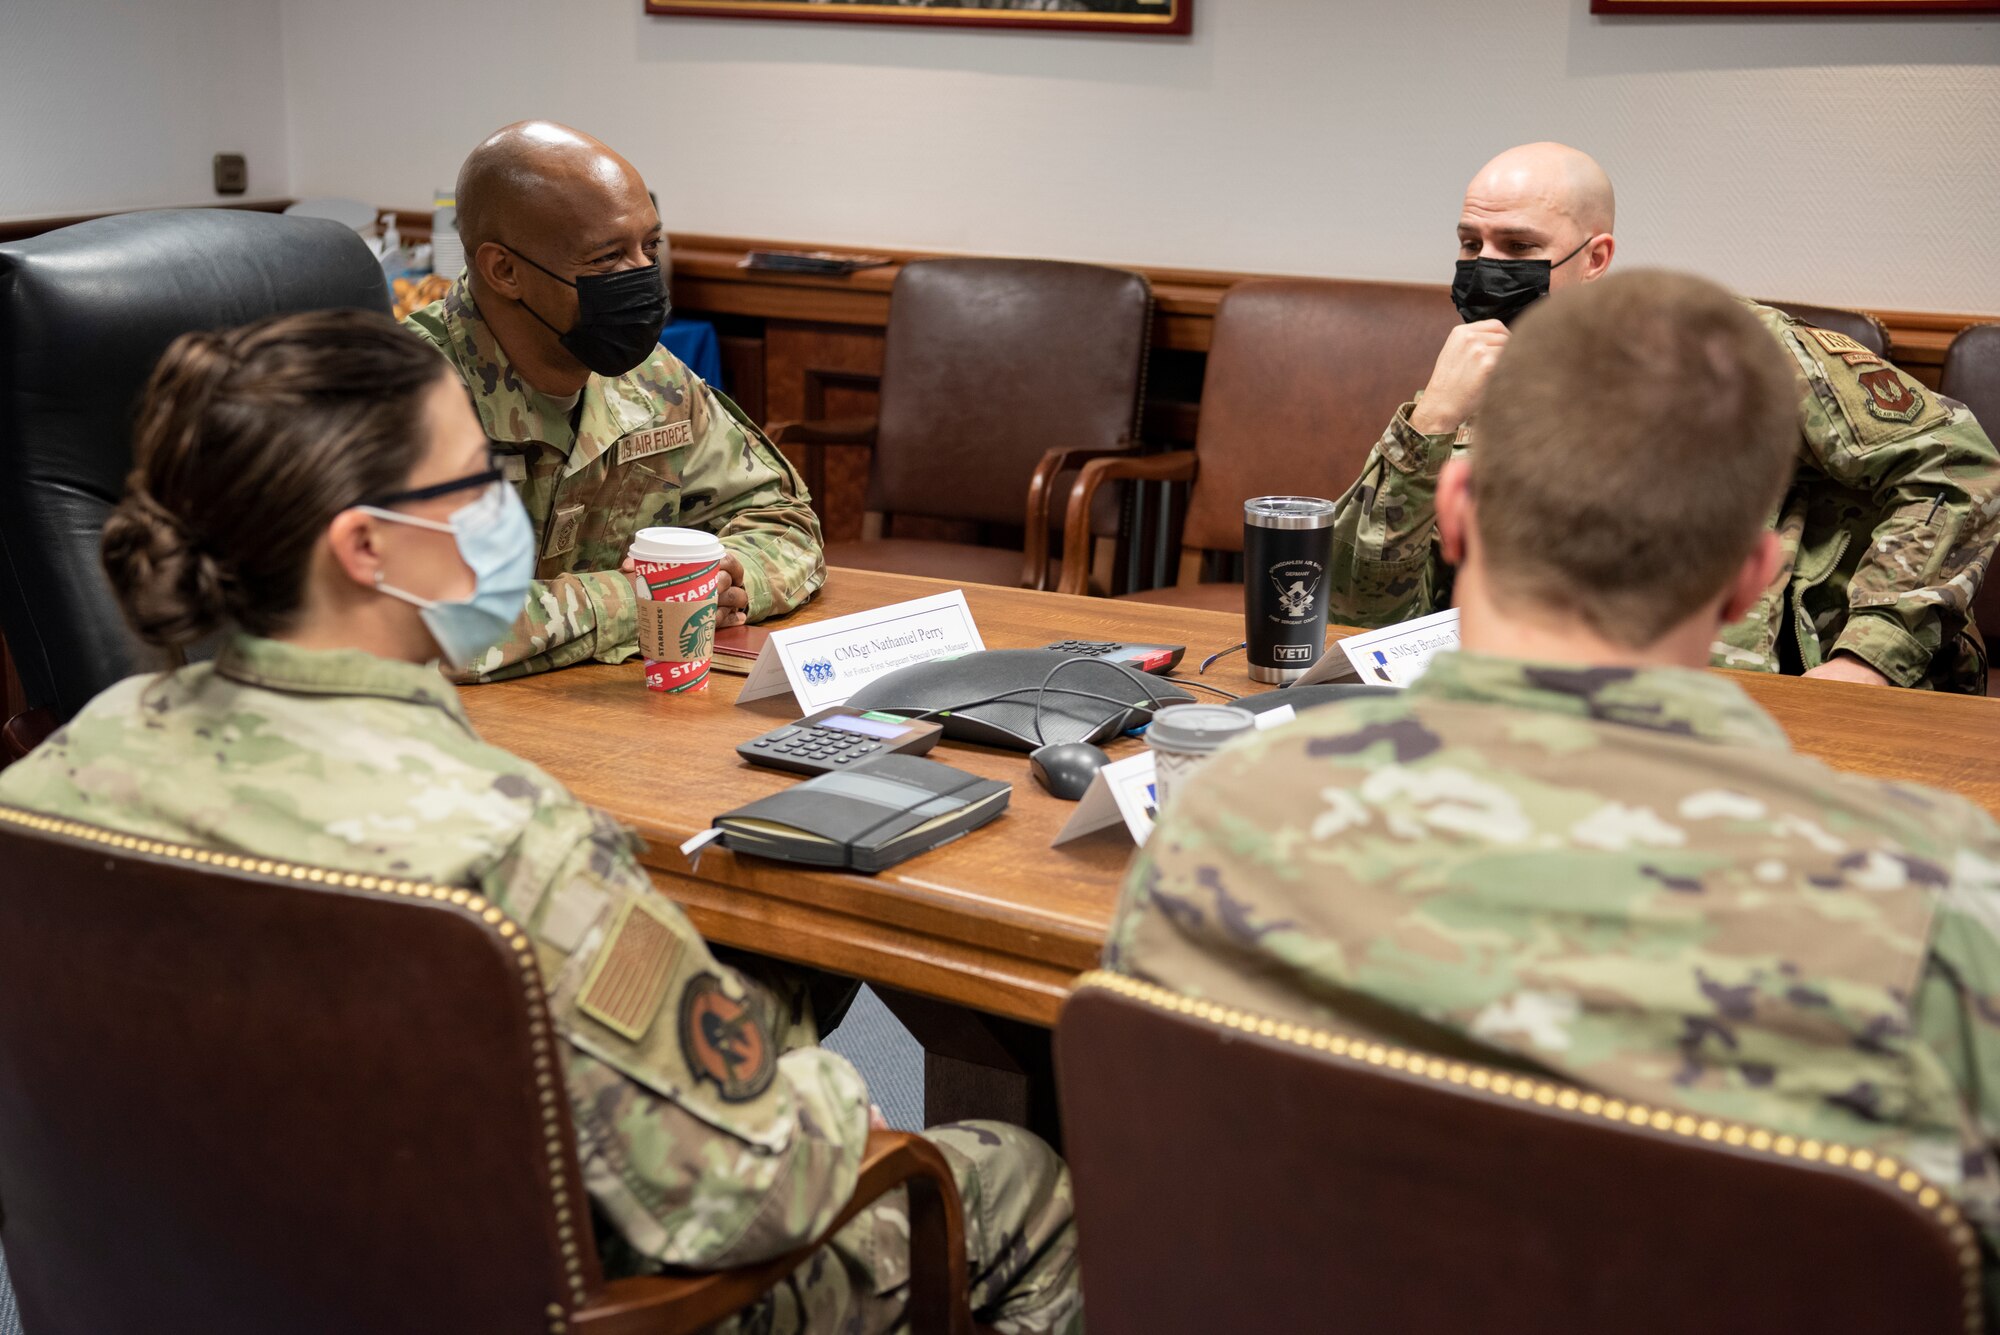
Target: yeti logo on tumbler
{"points": [[1287, 543]]}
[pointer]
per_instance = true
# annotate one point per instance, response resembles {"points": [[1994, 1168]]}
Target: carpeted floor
{"points": [[878, 1045], [887, 1057], [10, 1320]]}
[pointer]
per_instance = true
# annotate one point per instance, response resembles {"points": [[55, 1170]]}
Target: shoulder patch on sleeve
{"points": [[725, 1042], [628, 980], [1881, 402]]}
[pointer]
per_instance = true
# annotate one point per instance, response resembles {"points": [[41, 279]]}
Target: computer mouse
{"points": [[1066, 768]]}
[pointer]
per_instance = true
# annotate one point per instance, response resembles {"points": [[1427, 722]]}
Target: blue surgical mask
{"points": [[497, 540]]}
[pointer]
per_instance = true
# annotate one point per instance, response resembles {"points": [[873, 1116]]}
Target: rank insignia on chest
{"points": [[562, 533], [655, 440], [1890, 396]]}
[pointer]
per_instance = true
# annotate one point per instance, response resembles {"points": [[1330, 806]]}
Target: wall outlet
{"points": [[232, 174]]}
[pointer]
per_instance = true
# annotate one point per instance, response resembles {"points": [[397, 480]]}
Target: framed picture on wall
{"points": [[1792, 6], [1129, 16]]}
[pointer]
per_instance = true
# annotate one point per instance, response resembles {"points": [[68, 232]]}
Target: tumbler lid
{"points": [[1288, 512], [1197, 728]]}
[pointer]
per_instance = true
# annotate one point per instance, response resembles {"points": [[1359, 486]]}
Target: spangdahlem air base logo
{"points": [[1296, 583]]}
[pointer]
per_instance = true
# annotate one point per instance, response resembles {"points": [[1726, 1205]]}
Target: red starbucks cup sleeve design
{"points": [[681, 570]]}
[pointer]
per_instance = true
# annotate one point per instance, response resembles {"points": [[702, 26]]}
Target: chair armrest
{"points": [[1178, 466], [825, 431], [1053, 463], [26, 731], [689, 1302]]}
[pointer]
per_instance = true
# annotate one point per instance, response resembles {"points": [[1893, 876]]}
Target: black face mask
{"points": [[618, 317], [1501, 289]]}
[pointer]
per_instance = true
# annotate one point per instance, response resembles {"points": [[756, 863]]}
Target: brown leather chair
{"points": [[1972, 376], [1234, 1173], [1302, 377], [242, 1097], [997, 376], [1860, 326]]}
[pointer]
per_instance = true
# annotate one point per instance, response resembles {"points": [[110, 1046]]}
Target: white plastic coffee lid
{"points": [[675, 544], [1198, 728]]}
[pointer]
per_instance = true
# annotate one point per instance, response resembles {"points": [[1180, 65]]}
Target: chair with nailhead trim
{"points": [[238, 1095], [1259, 1175]]}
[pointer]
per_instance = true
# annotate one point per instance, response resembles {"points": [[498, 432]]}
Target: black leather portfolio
{"points": [[867, 818]]}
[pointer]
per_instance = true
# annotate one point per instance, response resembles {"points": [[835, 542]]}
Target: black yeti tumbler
{"points": [[1287, 543]]}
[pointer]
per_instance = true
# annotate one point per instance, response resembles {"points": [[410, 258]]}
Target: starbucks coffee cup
{"points": [[1182, 737], [681, 569]]}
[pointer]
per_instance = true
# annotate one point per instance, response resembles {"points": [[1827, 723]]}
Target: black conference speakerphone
{"points": [[1159, 659], [837, 739]]}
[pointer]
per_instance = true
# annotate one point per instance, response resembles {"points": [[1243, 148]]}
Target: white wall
{"points": [[1838, 159], [1845, 160], [116, 103]]}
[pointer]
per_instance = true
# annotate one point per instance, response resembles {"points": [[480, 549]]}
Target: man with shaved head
{"points": [[555, 328], [1885, 532]]}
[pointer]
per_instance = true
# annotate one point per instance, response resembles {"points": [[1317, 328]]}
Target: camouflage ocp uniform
{"points": [[705, 1140], [1625, 878], [653, 446], [1887, 529]]}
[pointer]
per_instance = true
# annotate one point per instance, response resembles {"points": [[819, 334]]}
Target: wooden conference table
{"points": [[999, 921]]}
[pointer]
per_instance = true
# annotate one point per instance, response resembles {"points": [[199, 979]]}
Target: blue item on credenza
{"points": [[694, 342]]}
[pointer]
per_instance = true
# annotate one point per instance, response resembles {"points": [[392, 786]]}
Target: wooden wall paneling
{"points": [[743, 374], [1184, 299], [818, 371], [15, 229]]}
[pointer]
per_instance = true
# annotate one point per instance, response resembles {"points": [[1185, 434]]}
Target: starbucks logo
{"points": [[694, 635]]}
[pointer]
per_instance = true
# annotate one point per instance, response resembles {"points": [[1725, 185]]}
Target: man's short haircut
{"points": [[1636, 435]]}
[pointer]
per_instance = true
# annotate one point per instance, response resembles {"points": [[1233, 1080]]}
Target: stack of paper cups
{"points": [[681, 569], [447, 251]]}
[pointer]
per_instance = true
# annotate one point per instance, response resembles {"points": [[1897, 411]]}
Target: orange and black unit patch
{"points": [[725, 1042], [629, 979]]}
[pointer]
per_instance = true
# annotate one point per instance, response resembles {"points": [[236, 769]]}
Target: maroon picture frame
{"points": [[1175, 17], [1729, 7]]}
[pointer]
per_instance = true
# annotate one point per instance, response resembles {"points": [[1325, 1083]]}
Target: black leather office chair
{"points": [[85, 312]]}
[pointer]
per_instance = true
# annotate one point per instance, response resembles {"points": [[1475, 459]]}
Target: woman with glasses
{"points": [[318, 487]]}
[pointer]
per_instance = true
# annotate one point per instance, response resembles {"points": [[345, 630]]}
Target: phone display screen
{"points": [[867, 727]]}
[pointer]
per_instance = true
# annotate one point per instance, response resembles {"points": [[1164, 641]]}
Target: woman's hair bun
{"points": [[173, 593]]}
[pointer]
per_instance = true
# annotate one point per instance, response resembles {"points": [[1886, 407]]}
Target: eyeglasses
{"points": [[492, 475]]}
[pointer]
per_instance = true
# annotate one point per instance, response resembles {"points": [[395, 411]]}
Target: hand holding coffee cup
{"points": [[680, 570], [732, 593]]}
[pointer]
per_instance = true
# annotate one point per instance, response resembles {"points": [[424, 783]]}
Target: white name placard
{"points": [[823, 663], [1392, 656], [1122, 792]]}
